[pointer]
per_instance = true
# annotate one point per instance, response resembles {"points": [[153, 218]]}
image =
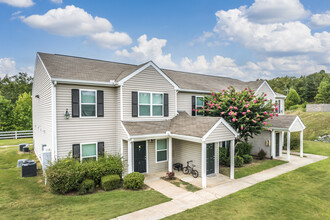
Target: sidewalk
{"points": [[187, 200]]}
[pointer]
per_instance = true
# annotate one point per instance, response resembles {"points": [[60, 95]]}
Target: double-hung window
{"points": [[88, 103], [161, 150], [151, 104], [88, 151], [199, 105]]}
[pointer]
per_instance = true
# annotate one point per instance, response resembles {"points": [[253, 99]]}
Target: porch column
{"points": [[232, 159], [273, 144], [130, 162], [301, 144], [282, 143], [170, 168], [288, 147], [216, 160], [203, 165]]}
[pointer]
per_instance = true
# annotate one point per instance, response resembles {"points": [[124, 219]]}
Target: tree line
{"points": [[16, 102], [313, 88]]}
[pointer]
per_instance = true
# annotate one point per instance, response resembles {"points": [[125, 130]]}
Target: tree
{"points": [[323, 95], [292, 98], [12, 86], [246, 112], [6, 115], [23, 112]]}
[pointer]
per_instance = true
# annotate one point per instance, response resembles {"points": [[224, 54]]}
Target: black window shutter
{"points": [[100, 148], [76, 151], [193, 107], [165, 105], [100, 103], [75, 102], [135, 104]]}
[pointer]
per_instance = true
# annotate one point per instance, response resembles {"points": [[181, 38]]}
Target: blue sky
{"points": [[241, 39]]}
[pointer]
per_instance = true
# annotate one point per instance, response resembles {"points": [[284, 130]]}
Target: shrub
{"points": [[110, 182], [223, 156], [64, 176], [239, 161], [133, 181], [108, 165], [247, 158], [87, 186], [243, 148], [261, 154]]}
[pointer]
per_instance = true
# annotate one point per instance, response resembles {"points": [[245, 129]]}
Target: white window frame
{"points": [[156, 151], [199, 105], [151, 105], [80, 104], [81, 157]]}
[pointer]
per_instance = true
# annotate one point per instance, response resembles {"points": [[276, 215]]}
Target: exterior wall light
{"points": [[67, 114], [37, 96]]}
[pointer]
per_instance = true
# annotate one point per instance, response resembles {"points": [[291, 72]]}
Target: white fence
{"points": [[16, 134]]}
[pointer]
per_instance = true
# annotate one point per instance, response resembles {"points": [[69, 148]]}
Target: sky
{"points": [[243, 39]]}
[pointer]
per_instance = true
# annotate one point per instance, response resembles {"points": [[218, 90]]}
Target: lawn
{"points": [[314, 147], [29, 198], [256, 167], [300, 194], [9, 142]]}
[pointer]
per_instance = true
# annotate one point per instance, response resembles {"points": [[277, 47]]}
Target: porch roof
{"points": [[286, 122], [182, 124]]}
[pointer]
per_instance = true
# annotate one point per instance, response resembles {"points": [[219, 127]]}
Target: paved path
{"points": [[182, 200]]}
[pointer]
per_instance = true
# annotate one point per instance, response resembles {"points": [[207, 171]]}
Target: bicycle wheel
{"points": [[194, 173], [185, 170]]}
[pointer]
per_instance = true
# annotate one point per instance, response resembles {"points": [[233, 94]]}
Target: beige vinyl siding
{"points": [[184, 151], [296, 126], [84, 130], [184, 101], [148, 80], [259, 142], [152, 164], [42, 109], [266, 90], [221, 133]]}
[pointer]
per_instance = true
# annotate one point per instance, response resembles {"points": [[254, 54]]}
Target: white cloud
{"points": [[202, 38], [274, 11], [57, 1], [149, 50], [73, 21], [291, 37], [18, 3], [321, 20], [111, 40], [70, 21], [7, 66]]}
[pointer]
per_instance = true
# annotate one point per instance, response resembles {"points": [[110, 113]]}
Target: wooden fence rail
{"points": [[16, 134]]}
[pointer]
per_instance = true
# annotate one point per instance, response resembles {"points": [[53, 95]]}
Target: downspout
{"points": [[54, 122]]}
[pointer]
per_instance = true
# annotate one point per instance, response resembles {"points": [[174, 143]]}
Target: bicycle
{"points": [[190, 169]]}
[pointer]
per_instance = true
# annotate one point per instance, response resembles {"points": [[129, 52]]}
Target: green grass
{"points": [[255, 167], [300, 194], [317, 124], [180, 183], [29, 198], [314, 147], [8, 142]]}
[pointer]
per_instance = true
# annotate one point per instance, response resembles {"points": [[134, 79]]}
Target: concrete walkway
{"points": [[186, 200]]}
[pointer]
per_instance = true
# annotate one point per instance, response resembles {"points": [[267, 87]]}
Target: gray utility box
{"points": [[46, 157], [21, 147], [29, 168]]}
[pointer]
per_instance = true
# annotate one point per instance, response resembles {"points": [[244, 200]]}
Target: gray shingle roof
{"points": [[182, 124], [78, 68], [282, 121]]}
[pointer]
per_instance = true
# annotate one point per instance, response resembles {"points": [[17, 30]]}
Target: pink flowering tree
{"points": [[243, 110]]}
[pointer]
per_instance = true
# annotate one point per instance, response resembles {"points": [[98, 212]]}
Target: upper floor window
{"points": [[199, 105], [150, 104], [278, 104], [88, 103]]}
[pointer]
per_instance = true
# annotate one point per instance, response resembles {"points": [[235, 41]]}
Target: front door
{"points": [[277, 144], [140, 157], [210, 158]]}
